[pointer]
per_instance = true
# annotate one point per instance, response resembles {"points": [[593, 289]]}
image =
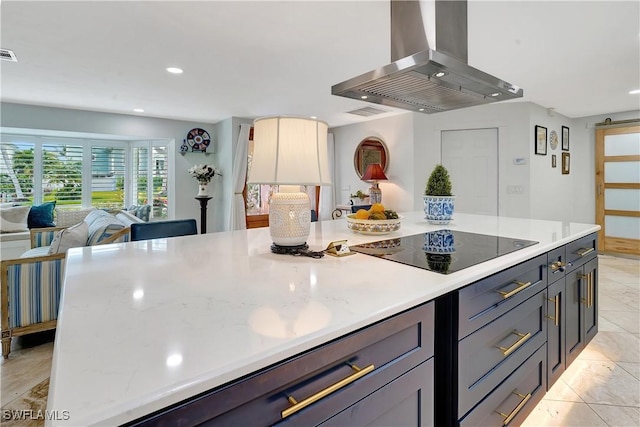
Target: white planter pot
{"points": [[438, 209]]}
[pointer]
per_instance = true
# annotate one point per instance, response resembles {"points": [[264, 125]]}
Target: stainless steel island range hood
{"points": [[424, 76]]}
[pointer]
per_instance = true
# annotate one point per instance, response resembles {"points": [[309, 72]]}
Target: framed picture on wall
{"points": [[553, 160], [565, 163], [540, 136], [565, 138]]}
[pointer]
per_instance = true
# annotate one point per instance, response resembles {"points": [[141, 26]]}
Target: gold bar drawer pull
{"points": [[523, 338], [521, 287], [584, 251], [517, 409], [359, 373]]}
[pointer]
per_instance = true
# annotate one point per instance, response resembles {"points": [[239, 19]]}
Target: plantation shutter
{"points": [[139, 175], [16, 171], [62, 173], [107, 177], [160, 172]]}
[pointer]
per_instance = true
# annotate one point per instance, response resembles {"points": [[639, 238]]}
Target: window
{"points": [[61, 177], [150, 176], [85, 172], [107, 176], [16, 171]]}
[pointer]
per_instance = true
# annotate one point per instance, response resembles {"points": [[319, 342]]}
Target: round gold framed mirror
{"points": [[370, 150]]}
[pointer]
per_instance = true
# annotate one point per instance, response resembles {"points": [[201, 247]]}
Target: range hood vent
{"points": [[8, 55], [424, 78], [367, 111]]}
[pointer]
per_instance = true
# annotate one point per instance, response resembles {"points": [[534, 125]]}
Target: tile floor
{"points": [[601, 387]]}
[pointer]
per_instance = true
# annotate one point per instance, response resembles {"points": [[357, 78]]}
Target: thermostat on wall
{"points": [[519, 161]]}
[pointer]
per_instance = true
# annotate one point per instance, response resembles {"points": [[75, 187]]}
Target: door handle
{"points": [[556, 318]]}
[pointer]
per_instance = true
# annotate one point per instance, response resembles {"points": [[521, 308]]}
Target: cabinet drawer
{"points": [[393, 346], [514, 399], [582, 250], [485, 300], [406, 401], [490, 354]]}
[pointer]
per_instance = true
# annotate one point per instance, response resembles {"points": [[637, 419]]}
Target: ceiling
{"points": [[254, 59]]}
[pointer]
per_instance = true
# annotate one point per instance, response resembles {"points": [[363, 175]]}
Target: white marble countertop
{"points": [[146, 324]]}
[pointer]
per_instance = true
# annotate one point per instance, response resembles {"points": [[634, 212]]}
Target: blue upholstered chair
{"points": [[356, 208], [161, 229]]}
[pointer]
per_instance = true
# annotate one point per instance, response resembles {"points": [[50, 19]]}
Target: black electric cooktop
{"points": [[443, 251]]}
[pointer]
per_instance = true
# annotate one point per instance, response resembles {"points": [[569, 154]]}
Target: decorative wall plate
{"points": [[553, 140], [198, 139]]}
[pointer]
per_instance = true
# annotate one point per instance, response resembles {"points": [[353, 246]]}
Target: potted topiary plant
{"points": [[438, 201]]}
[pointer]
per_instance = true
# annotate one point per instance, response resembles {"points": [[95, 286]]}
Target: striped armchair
{"points": [[30, 286]]}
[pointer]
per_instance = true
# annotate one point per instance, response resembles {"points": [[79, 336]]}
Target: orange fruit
{"points": [[377, 207], [362, 214]]}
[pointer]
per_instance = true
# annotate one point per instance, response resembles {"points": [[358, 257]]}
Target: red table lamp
{"points": [[374, 173]]}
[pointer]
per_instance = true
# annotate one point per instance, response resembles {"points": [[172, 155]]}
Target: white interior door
{"points": [[471, 157]]}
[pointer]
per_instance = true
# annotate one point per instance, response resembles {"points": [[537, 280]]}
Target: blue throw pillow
{"points": [[41, 216]]}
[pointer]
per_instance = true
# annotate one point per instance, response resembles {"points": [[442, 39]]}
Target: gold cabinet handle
{"points": [[521, 287], [590, 292], [509, 417], [588, 299], [582, 252], [327, 391], [558, 265], [523, 338], [556, 318]]}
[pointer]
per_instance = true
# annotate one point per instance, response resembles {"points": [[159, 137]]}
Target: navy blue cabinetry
{"points": [[502, 341], [572, 303], [384, 369]]}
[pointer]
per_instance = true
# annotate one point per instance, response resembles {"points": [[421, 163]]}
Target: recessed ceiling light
{"points": [[313, 117], [138, 110], [364, 97], [174, 70], [439, 74], [421, 109], [634, 92], [495, 94]]}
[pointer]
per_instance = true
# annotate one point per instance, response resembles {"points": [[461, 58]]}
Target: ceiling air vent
{"points": [[367, 111], [8, 55]]}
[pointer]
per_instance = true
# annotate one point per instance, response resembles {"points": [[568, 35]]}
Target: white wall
{"points": [[552, 194], [511, 119], [541, 191], [78, 121], [397, 134]]}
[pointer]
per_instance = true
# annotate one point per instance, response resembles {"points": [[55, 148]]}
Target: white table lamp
{"points": [[289, 152]]}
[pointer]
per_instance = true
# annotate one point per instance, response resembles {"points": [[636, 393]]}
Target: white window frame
{"points": [[88, 144]]}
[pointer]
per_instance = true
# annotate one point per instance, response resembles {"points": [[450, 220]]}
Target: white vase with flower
{"points": [[204, 174]]}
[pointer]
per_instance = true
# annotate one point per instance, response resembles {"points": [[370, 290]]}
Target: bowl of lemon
{"points": [[375, 220]]}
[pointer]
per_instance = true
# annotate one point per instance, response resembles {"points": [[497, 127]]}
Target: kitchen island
{"points": [[145, 325]]}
